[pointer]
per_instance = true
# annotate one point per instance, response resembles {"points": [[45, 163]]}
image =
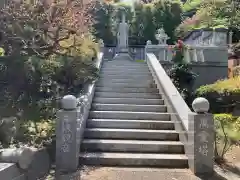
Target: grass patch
{"points": [[140, 60]]}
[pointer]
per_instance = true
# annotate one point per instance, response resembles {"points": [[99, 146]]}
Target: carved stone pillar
{"points": [[67, 138], [201, 138]]}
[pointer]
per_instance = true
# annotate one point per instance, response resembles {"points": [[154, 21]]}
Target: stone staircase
{"points": [[129, 124]]}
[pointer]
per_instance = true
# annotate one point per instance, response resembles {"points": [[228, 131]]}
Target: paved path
{"points": [[106, 173]]}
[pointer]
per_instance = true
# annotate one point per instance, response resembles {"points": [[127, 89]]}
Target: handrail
{"points": [[170, 91], [85, 100], [70, 127]]}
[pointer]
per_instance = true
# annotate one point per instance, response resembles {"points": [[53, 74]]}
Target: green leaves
{"points": [[144, 20], [2, 52], [223, 95], [210, 14]]}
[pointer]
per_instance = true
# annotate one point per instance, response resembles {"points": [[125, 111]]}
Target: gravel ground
{"points": [[115, 173]]}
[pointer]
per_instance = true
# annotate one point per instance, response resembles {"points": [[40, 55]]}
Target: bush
{"points": [[236, 71], [46, 51], [223, 95], [227, 128], [180, 73]]}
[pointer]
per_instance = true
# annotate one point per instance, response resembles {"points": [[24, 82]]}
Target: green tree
{"points": [[137, 25], [144, 20], [149, 23], [46, 54], [104, 22], [214, 14], [167, 14]]}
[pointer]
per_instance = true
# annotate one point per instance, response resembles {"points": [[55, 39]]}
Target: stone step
{"points": [[132, 80], [125, 76], [130, 66], [120, 85], [123, 79], [119, 68], [128, 73], [132, 134], [130, 146], [135, 159], [127, 95], [129, 107], [126, 90], [113, 66], [122, 71], [129, 115], [130, 124], [137, 101], [124, 64], [127, 84]]}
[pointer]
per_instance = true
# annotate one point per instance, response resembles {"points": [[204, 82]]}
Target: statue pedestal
{"points": [[123, 55]]}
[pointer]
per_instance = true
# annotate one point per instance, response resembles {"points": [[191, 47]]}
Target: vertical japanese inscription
{"points": [[67, 134], [203, 136]]}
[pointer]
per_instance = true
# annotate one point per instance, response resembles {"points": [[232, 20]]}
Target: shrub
{"points": [[227, 129], [180, 73], [46, 51], [223, 95], [236, 71]]}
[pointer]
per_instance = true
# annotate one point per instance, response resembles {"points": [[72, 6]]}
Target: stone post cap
{"points": [[69, 102], [200, 105], [101, 43], [149, 42]]}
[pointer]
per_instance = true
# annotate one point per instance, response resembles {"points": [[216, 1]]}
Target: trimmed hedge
{"points": [[223, 95]]}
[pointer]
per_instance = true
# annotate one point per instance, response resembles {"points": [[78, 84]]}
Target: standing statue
{"points": [[122, 35], [161, 36]]}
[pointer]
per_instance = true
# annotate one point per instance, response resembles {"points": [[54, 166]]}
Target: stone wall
{"points": [[212, 67], [205, 37], [207, 73]]}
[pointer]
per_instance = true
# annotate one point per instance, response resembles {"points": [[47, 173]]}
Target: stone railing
{"points": [[196, 129], [197, 53], [136, 52], [70, 125]]}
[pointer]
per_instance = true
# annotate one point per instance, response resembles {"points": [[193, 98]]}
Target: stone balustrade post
{"points": [[67, 139], [101, 45], [148, 43], [201, 138], [187, 56]]}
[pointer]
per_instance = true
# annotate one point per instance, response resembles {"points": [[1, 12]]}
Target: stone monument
{"points": [[161, 36], [122, 38]]}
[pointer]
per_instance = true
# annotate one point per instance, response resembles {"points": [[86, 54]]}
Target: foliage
{"points": [[37, 29], [167, 11], [103, 26], [227, 134], [7, 131], [144, 20], [223, 95], [36, 133], [180, 73], [2, 52], [190, 5], [212, 14], [48, 53], [236, 71]]}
